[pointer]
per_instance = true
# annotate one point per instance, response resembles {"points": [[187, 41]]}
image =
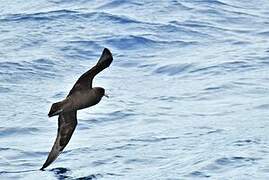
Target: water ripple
{"points": [[234, 160], [130, 42], [40, 16], [4, 131], [63, 173], [16, 71], [153, 139], [246, 142], [196, 70], [174, 69], [198, 174]]}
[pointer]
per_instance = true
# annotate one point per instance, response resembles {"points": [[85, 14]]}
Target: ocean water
{"points": [[189, 88]]}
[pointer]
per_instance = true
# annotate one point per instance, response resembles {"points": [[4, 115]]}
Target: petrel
{"points": [[81, 96]]}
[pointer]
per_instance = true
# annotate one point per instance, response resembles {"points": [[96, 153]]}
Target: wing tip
{"points": [[45, 165], [43, 168], [107, 53]]}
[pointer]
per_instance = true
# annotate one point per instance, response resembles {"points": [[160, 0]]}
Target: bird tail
{"points": [[56, 109]]}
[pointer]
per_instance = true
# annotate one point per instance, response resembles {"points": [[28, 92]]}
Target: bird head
{"points": [[101, 92]]}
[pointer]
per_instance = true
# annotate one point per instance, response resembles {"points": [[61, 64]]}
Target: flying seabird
{"points": [[81, 96]]}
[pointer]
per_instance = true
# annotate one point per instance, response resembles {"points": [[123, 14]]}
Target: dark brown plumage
{"points": [[81, 96]]}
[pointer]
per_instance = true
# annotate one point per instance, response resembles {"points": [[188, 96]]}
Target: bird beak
{"points": [[106, 95]]}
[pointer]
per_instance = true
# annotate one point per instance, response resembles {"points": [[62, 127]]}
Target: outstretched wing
{"points": [[85, 81], [66, 125]]}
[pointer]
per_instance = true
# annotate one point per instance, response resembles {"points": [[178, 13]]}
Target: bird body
{"points": [[81, 96], [76, 101], [86, 98]]}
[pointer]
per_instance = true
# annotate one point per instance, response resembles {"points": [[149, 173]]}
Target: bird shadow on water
{"points": [[62, 173]]}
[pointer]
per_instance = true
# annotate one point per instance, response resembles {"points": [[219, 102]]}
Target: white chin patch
{"points": [[57, 112]]}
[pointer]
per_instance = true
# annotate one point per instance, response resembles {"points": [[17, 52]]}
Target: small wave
{"points": [[198, 174], [237, 66], [109, 117], [216, 88], [204, 130], [63, 14], [101, 162], [206, 70], [13, 153], [122, 147], [81, 49], [129, 64], [234, 160], [40, 16], [83, 43], [130, 42], [231, 162], [4, 131], [60, 2], [240, 42], [214, 131], [147, 65], [263, 106], [114, 174], [137, 161], [208, 29], [191, 28], [120, 114], [4, 90], [153, 139], [246, 142], [192, 24], [181, 5], [264, 33], [107, 17], [59, 95], [174, 69], [17, 71], [227, 67], [19, 172], [213, 3], [47, 62], [167, 98], [117, 4], [80, 150], [217, 131]]}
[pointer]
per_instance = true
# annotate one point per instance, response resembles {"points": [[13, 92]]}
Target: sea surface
{"points": [[189, 88]]}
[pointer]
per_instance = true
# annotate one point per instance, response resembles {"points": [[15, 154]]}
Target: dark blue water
{"points": [[189, 88]]}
